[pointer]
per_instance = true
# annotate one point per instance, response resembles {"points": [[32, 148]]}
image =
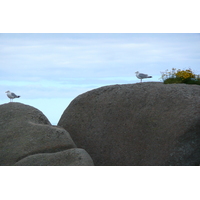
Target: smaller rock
{"points": [[27, 135], [70, 157]]}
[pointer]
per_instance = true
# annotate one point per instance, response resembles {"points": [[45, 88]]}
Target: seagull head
{"points": [[7, 91], [137, 72]]}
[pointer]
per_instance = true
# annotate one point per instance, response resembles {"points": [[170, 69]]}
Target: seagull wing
{"points": [[143, 75], [13, 95]]}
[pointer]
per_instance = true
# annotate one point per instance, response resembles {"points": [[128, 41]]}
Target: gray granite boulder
{"points": [[25, 131], [141, 124], [70, 157]]}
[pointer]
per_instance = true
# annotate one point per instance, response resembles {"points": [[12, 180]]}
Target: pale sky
{"points": [[50, 70]]}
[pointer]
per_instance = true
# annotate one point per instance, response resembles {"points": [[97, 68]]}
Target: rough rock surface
{"points": [[70, 157], [25, 131], [141, 124]]}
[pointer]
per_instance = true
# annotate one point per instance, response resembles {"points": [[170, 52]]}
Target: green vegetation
{"points": [[180, 76]]}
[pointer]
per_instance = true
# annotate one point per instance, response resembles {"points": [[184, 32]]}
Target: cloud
{"points": [[90, 57]]}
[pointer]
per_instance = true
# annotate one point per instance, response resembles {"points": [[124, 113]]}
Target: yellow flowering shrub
{"points": [[180, 76], [185, 74]]}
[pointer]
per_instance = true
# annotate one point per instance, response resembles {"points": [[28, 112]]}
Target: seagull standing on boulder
{"points": [[11, 95], [141, 76]]}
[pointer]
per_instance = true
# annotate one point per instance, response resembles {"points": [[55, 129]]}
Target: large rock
{"points": [[25, 131], [137, 124]]}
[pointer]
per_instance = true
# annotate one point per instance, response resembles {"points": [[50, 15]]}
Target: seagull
{"points": [[141, 76], [11, 95]]}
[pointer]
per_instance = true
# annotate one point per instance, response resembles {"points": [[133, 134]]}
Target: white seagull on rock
{"points": [[141, 76], [11, 95]]}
